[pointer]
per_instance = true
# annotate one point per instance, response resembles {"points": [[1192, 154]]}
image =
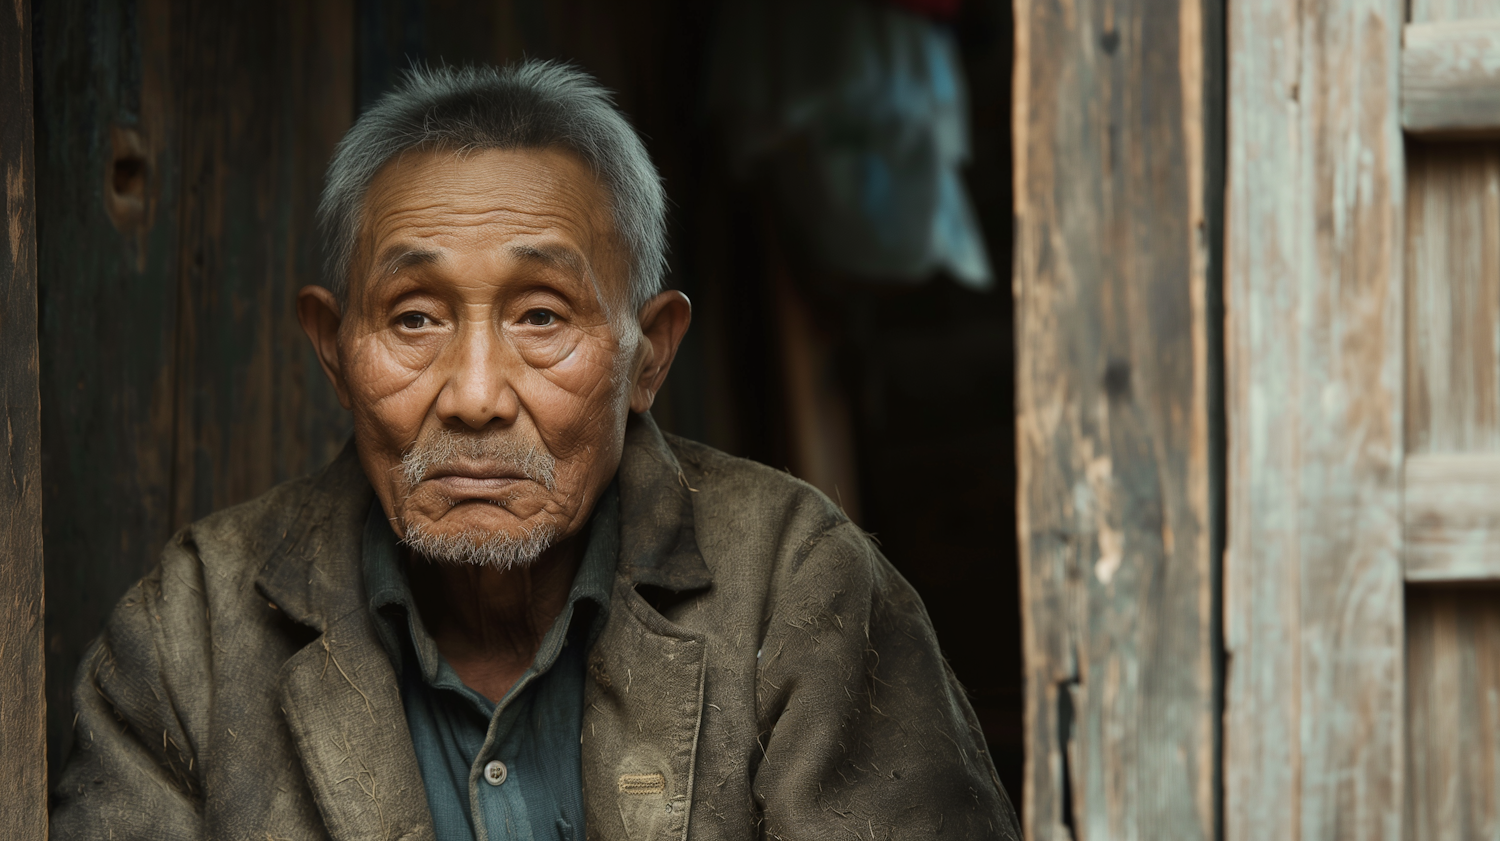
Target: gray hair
{"points": [[532, 105]]}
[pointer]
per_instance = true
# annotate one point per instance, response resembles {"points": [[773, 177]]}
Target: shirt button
{"points": [[495, 772]]}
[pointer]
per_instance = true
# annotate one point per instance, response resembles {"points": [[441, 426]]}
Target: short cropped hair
{"points": [[532, 105]]}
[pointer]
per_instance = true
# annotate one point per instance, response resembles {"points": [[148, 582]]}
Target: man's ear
{"points": [[664, 320], [318, 311]]}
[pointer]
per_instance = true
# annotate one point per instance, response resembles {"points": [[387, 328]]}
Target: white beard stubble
{"points": [[496, 549]]}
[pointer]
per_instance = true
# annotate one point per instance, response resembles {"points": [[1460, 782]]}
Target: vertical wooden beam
{"points": [[22, 709], [1115, 518], [1313, 604]]}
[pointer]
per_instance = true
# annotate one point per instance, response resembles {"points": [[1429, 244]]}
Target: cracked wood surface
{"points": [[1313, 583], [22, 708], [1111, 277]]}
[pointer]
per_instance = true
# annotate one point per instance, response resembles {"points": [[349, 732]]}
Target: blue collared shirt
{"points": [[536, 790]]}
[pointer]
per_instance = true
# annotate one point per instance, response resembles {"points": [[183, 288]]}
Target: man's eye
{"points": [[539, 318], [413, 321]]}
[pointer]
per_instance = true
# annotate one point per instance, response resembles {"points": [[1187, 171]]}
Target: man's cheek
{"points": [[389, 416], [393, 393], [568, 423], [380, 367], [591, 382]]}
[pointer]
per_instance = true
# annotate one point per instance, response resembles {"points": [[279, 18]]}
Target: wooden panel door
{"points": [[1452, 475], [1362, 610]]}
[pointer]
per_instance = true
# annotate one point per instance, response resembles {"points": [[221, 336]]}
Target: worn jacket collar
{"points": [[315, 576]]}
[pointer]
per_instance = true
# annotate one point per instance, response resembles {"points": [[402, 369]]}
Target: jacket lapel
{"points": [[344, 710], [340, 693], [644, 704]]}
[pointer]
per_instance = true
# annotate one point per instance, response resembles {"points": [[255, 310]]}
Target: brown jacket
{"points": [[764, 673]]}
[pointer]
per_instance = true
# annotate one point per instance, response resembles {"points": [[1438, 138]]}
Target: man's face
{"points": [[488, 351]]}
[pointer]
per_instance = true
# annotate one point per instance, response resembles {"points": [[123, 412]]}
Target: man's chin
{"points": [[496, 549]]}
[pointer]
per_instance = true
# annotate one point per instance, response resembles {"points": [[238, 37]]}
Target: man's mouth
{"points": [[474, 465], [490, 482]]}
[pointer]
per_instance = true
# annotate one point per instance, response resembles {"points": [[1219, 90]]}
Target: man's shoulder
{"points": [[753, 511], [236, 542], [751, 483], [255, 522], [259, 524]]}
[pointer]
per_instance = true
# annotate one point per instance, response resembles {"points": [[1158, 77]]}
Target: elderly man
{"points": [[514, 608]]}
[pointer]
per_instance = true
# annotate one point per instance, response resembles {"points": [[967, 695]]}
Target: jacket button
{"points": [[495, 772]]}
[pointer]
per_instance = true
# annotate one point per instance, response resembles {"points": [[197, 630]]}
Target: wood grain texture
{"points": [[1453, 297], [1112, 416], [22, 705], [182, 145], [1453, 706], [1438, 11], [1453, 440], [1452, 516], [1450, 78], [107, 315], [1313, 602], [252, 405]]}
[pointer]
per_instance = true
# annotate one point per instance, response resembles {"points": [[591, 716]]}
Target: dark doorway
{"points": [[180, 149]]}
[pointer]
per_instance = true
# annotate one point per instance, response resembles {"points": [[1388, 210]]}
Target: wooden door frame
{"points": [[1314, 716], [1117, 140]]}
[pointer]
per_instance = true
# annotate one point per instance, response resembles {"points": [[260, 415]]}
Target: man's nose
{"points": [[479, 386]]}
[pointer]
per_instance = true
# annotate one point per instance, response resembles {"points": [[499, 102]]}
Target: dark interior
{"points": [[895, 398]]}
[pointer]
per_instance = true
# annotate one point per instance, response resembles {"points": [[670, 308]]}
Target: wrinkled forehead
{"points": [[437, 205]]}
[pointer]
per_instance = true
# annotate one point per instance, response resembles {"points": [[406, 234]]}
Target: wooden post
{"points": [[1112, 275], [1313, 267], [23, 746]]}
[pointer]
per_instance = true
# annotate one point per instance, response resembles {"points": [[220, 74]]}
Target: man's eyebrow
{"points": [[399, 257], [555, 256]]}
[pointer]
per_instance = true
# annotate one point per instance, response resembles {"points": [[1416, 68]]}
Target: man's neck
{"points": [[489, 623]]}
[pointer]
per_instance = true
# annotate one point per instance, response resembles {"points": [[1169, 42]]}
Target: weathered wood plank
{"points": [[182, 146], [1453, 297], [1112, 419], [1453, 441], [22, 706], [1313, 603], [252, 406], [1450, 78], [108, 308], [1453, 707], [1452, 517]]}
